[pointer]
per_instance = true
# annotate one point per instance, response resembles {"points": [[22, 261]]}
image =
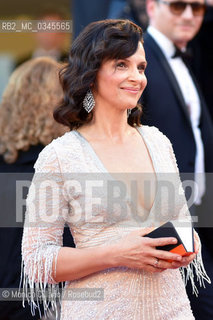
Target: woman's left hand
{"points": [[188, 259]]}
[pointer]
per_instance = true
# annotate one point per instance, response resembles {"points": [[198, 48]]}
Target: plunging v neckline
{"points": [[102, 167]]}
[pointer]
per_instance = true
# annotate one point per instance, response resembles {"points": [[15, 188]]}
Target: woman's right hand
{"points": [[139, 252]]}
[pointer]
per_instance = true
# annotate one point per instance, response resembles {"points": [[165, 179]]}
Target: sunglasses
{"points": [[178, 7]]}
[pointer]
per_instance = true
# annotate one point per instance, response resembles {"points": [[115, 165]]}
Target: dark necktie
{"points": [[186, 55]]}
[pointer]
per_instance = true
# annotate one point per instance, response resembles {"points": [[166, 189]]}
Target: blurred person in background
{"points": [[115, 8], [202, 56], [26, 126], [134, 10], [84, 12], [48, 43], [173, 102]]}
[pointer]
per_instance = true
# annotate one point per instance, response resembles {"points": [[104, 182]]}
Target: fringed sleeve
{"points": [[43, 232], [196, 268]]}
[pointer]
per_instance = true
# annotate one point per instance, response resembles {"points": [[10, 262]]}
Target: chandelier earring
{"points": [[89, 101]]}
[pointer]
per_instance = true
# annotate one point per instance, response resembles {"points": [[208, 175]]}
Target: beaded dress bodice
{"points": [[75, 171]]}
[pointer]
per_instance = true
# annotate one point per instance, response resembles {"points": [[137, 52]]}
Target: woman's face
{"points": [[121, 82]]}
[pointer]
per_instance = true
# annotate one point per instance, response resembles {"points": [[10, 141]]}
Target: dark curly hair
{"points": [[99, 41]]}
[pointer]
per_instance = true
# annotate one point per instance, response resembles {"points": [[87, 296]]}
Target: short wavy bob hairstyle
{"points": [[26, 109], [99, 41]]}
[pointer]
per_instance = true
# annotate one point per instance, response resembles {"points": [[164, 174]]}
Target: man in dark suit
{"points": [[202, 62], [173, 103]]}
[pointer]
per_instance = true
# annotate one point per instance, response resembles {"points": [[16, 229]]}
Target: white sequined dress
{"points": [[129, 294]]}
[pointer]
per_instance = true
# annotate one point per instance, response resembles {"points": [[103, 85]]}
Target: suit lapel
{"points": [[153, 46]]}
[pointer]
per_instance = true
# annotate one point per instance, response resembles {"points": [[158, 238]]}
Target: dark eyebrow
{"points": [[142, 62]]}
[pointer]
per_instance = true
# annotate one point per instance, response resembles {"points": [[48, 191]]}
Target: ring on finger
{"points": [[156, 263]]}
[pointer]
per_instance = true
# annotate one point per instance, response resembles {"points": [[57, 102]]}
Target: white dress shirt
{"points": [[192, 101]]}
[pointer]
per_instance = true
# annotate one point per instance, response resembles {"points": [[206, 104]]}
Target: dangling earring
{"points": [[128, 112], [88, 102]]}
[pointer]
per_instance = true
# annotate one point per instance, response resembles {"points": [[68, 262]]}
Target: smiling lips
{"points": [[131, 90]]}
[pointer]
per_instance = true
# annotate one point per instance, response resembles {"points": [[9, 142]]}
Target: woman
{"points": [[74, 180], [26, 108], [26, 126]]}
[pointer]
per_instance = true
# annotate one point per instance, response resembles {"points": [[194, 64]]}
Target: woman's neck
{"points": [[108, 124]]}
